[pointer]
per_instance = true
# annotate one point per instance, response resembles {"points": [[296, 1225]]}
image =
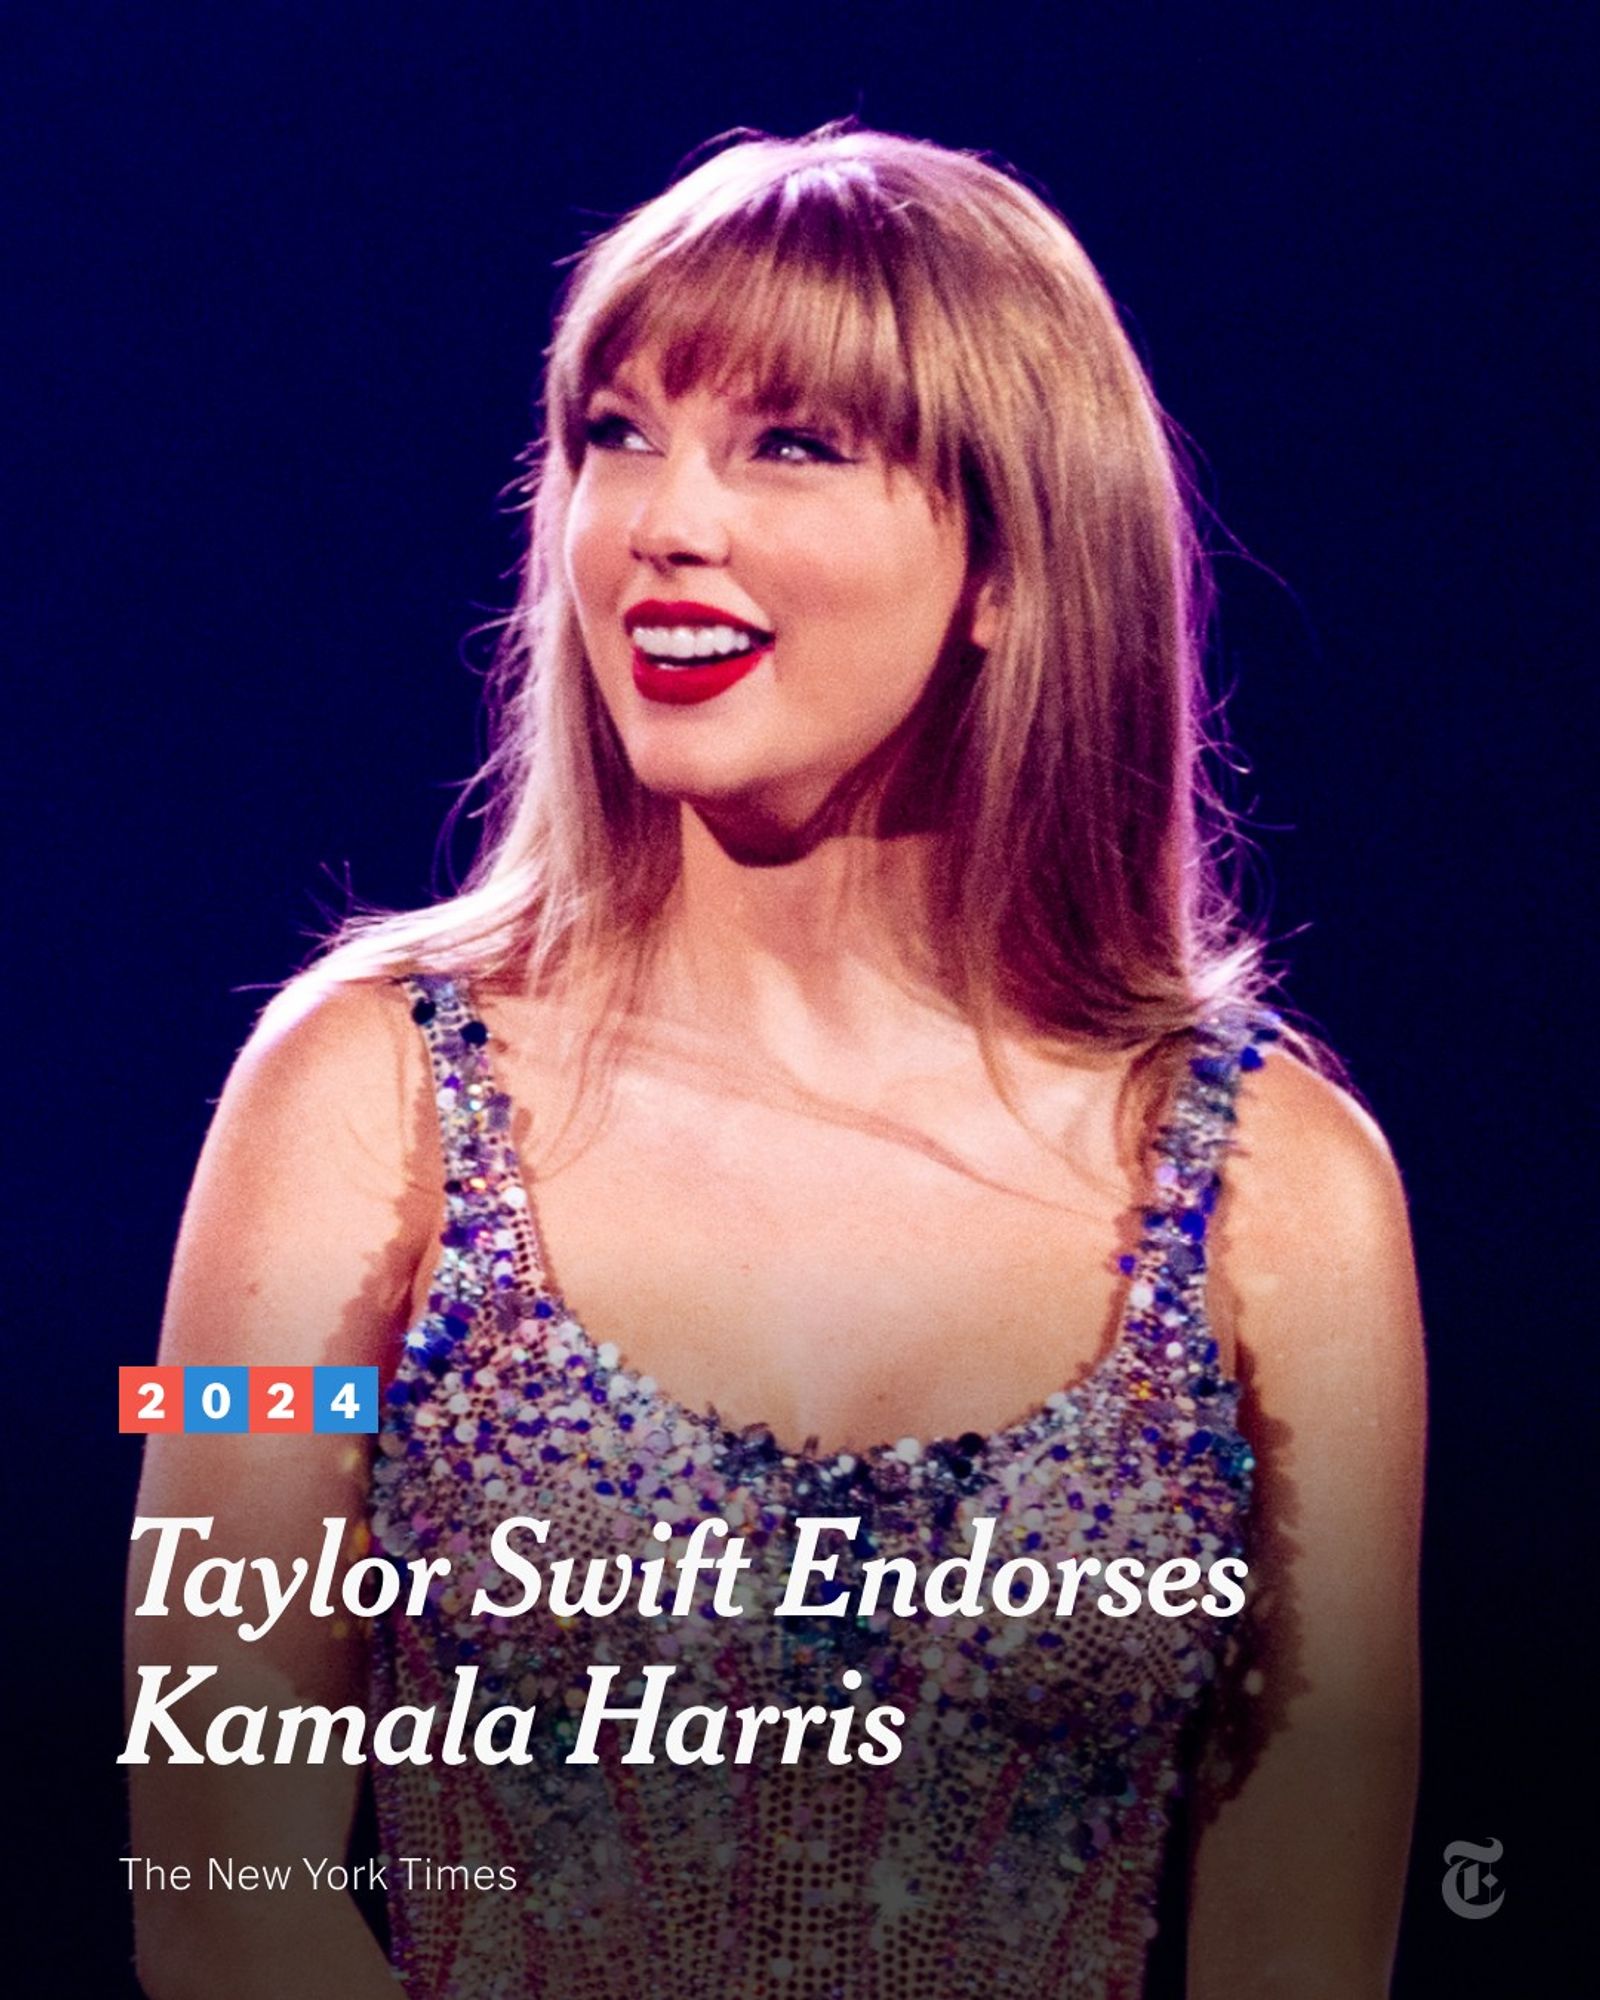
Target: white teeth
{"points": [[693, 642]]}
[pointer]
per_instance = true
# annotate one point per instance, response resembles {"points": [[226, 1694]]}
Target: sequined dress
{"points": [[1015, 1843]]}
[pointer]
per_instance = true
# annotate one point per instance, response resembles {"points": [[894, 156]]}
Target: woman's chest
{"points": [[926, 1270]]}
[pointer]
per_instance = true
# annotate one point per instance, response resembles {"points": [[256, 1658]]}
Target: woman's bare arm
{"points": [[308, 1217], [1303, 1813]]}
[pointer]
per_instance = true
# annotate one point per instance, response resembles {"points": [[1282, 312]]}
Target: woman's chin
{"points": [[765, 816], [721, 783]]}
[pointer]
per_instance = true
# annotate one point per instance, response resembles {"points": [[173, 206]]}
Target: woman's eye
{"points": [[611, 431], [792, 447]]}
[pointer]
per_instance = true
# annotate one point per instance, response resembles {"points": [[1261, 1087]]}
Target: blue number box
{"points": [[345, 1399], [216, 1399]]}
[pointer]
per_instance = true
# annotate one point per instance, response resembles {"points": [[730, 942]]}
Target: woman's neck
{"points": [[803, 961]]}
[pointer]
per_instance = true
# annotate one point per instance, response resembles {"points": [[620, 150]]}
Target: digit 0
{"points": [[214, 1399]]}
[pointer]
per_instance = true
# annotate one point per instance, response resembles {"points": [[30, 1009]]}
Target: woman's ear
{"points": [[987, 616]]}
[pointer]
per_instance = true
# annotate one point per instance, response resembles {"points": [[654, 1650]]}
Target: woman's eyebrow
{"points": [[802, 408]]}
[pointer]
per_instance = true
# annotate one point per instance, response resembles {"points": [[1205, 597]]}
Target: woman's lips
{"points": [[681, 682], [699, 680]]}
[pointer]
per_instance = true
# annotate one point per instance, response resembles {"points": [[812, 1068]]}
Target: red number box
{"points": [[282, 1399], [149, 1400]]}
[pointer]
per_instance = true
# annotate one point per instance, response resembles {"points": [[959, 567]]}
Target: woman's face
{"points": [[761, 603]]}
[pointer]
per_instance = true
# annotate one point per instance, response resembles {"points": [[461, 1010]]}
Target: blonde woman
{"points": [[840, 1093]]}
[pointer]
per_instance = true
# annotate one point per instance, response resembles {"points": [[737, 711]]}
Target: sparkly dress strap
{"points": [[1166, 1299], [489, 1248], [1192, 1144]]}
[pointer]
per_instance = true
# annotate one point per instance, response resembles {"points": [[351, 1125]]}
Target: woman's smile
{"points": [[685, 652]]}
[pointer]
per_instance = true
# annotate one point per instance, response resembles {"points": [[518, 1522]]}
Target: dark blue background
{"points": [[285, 274]]}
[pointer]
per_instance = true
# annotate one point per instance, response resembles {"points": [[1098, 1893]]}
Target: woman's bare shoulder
{"points": [[317, 1191], [320, 1033], [1306, 1141], [1305, 1125], [1314, 1239], [332, 1063]]}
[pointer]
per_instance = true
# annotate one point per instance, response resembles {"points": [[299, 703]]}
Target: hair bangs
{"points": [[790, 301]]}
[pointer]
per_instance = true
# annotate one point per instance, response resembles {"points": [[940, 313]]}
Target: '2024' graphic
{"points": [[156, 1401]]}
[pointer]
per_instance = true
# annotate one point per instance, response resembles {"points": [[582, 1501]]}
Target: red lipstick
{"points": [[679, 684]]}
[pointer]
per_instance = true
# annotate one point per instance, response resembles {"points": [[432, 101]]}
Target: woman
{"points": [[846, 980]]}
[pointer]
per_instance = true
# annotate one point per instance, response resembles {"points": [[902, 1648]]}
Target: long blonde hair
{"points": [[942, 310]]}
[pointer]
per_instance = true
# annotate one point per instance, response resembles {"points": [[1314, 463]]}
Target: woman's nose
{"points": [[682, 518]]}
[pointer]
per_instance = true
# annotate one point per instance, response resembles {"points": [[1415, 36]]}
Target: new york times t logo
{"points": [[1466, 1884]]}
